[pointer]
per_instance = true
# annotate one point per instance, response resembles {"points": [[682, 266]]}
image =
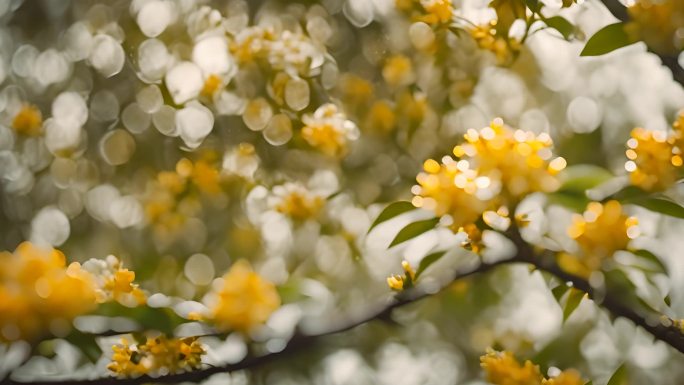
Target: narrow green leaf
{"points": [[86, 343], [562, 25], [429, 260], [559, 291], [392, 210], [574, 201], [608, 39], [628, 194], [662, 206], [619, 377], [533, 5], [413, 230], [649, 256], [582, 177], [574, 298]]}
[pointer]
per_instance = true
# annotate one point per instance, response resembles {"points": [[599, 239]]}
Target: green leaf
{"points": [[629, 193], [649, 256], [413, 230], [608, 39], [574, 201], [574, 298], [662, 206], [559, 291], [87, 343], [562, 25], [164, 320], [619, 377], [533, 5], [582, 177], [429, 260], [392, 210]]}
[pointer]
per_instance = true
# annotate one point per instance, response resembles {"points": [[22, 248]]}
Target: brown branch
{"points": [[620, 12], [604, 298]]}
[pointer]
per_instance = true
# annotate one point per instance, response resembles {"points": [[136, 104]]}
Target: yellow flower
{"points": [[657, 24], [157, 355], [487, 39], [655, 162], [520, 161], [245, 301], [501, 368], [566, 377], [398, 282], [602, 230], [297, 202], [452, 188], [428, 11], [28, 121], [211, 85], [328, 130], [398, 70], [111, 281], [38, 293], [381, 117]]}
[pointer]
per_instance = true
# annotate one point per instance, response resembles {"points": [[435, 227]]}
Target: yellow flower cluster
{"points": [[521, 160], [297, 202], [245, 300], [502, 368], [493, 160], [159, 355], [503, 48], [655, 158], [112, 281], [602, 230], [328, 130], [428, 11], [284, 50], [28, 121], [398, 282], [566, 377], [40, 294], [173, 196], [657, 22]]}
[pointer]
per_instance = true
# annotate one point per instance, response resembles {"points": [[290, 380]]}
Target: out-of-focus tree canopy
{"points": [[342, 192]]}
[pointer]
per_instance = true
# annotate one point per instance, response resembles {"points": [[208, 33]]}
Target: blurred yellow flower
{"points": [[658, 24], [297, 202], [602, 230], [428, 11], [28, 121], [501, 368], [451, 188], [566, 377], [245, 300], [38, 294], [655, 161], [520, 160], [328, 130]]}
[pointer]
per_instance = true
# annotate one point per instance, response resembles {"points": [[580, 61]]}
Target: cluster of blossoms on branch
{"points": [[41, 295], [502, 368]]}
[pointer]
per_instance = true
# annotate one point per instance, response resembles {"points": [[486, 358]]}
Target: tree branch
{"points": [[609, 300], [298, 341], [672, 62]]}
